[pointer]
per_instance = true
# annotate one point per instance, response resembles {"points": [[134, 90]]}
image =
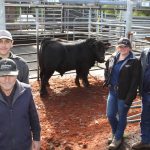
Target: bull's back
{"points": [[53, 55]]}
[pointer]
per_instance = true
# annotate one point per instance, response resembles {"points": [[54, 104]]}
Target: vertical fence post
{"points": [[89, 23], [98, 21], [2, 15], [129, 17], [37, 40]]}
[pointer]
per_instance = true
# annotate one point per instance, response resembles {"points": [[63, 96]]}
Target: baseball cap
{"points": [[124, 42], [4, 34], [8, 67]]}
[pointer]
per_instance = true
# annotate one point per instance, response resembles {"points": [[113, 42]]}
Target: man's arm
{"points": [[34, 121]]}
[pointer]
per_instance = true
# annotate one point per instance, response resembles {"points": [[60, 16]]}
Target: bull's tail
{"points": [[41, 52], [43, 44]]}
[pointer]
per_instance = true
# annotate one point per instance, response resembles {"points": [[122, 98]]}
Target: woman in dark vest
{"points": [[122, 77]]}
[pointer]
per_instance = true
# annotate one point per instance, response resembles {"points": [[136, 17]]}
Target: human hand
{"points": [[36, 145], [126, 106], [104, 85]]}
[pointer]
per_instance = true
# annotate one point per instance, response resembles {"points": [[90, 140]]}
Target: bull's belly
{"points": [[65, 69]]}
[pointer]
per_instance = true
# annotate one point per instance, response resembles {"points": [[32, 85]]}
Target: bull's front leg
{"points": [[77, 80], [85, 81]]}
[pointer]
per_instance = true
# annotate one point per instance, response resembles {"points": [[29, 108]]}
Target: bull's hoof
{"points": [[77, 83], [43, 94], [86, 84], [47, 84]]}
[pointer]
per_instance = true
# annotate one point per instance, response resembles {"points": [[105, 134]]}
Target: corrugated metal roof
{"points": [[106, 2], [102, 2], [25, 1], [71, 1]]}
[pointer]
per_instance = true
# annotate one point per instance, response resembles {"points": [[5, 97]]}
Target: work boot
{"points": [[140, 146], [110, 139], [115, 144]]}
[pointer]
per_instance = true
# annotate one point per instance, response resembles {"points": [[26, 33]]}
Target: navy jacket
{"points": [[19, 122], [128, 78], [23, 68], [144, 63]]}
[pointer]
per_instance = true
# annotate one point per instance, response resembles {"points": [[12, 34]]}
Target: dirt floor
{"points": [[74, 118]]}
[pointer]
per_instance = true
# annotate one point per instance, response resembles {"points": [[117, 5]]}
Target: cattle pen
{"points": [[30, 22]]}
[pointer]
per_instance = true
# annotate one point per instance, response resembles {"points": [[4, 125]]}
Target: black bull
{"points": [[60, 57]]}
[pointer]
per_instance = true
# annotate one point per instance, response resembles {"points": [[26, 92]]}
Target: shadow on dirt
{"points": [[74, 118]]}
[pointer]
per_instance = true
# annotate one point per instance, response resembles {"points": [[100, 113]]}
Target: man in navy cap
{"points": [[19, 121]]}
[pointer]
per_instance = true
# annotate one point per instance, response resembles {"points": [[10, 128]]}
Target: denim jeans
{"points": [[145, 118], [116, 112]]}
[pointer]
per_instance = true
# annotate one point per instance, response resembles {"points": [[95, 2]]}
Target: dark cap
{"points": [[124, 42], [8, 67]]}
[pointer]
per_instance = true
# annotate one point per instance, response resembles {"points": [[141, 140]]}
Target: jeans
{"points": [[116, 112], [145, 118]]}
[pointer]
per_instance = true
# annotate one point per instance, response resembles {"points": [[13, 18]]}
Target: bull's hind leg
{"points": [[44, 82], [77, 82], [43, 90], [41, 77]]}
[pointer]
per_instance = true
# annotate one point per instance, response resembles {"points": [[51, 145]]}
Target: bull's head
{"points": [[100, 51], [98, 48]]}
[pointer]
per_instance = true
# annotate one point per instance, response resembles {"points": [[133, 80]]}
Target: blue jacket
{"points": [[19, 122], [143, 60]]}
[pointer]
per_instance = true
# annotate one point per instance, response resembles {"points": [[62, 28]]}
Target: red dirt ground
{"points": [[74, 118]]}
